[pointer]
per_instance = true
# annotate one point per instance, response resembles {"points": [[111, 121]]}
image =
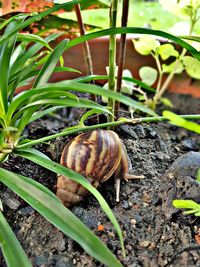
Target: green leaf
{"points": [[191, 38], [186, 204], [1, 206], [181, 122], [33, 50], [50, 65], [81, 103], [57, 168], [41, 113], [27, 37], [148, 75], [145, 45], [88, 114], [11, 248], [38, 17], [105, 77], [175, 67], [166, 102], [192, 66], [198, 176], [6, 49], [137, 30], [52, 209], [166, 51], [93, 89]]}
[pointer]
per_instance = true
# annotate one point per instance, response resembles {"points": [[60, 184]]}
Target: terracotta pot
{"points": [[99, 50]]}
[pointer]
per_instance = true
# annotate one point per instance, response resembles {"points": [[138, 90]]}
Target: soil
{"points": [[155, 233]]}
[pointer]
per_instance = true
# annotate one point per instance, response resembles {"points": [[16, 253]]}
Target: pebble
{"points": [[10, 200], [64, 264], [144, 244], [190, 144], [40, 260], [125, 205], [87, 217], [128, 130]]}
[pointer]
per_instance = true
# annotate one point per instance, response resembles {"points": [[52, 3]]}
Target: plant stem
{"points": [[103, 125], [122, 51], [112, 56], [160, 90], [86, 48]]}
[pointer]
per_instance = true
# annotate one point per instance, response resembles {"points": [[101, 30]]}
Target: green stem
{"points": [[112, 56], [160, 92], [103, 125]]}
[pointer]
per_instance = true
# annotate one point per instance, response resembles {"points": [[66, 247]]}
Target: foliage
{"points": [[17, 68], [169, 61], [190, 206], [24, 64], [181, 122]]}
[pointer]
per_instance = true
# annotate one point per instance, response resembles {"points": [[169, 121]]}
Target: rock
{"points": [[87, 217], [179, 182], [190, 144], [40, 260], [9, 199]]}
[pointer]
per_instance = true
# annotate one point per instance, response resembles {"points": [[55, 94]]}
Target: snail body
{"points": [[96, 155]]}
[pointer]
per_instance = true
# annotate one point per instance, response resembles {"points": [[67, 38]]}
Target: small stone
{"points": [[40, 260], [128, 130], [10, 200], [190, 144], [87, 217], [133, 222], [63, 264], [125, 205], [144, 244], [26, 211]]}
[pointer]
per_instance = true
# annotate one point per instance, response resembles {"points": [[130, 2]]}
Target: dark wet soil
{"points": [[155, 233]]}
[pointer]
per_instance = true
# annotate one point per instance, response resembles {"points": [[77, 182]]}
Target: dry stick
{"points": [[86, 48], [112, 57], [122, 52]]}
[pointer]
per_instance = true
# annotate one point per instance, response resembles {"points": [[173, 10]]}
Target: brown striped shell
{"points": [[96, 155]]}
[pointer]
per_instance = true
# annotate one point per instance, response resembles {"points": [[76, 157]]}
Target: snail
{"points": [[96, 155]]}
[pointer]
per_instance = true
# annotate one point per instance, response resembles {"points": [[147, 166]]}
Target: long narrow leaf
{"points": [[126, 30], [93, 89], [31, 52], [11, 248], [39, 16], [57, 168], [52, 209], [6, 49], [50, 65], [75, 86], [80, 103], [27, 37]]}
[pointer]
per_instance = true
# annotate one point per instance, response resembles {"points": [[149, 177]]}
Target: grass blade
{"points": [[81, 103], [27, 37], [6, 49], [34, 49], [11, 248], [93, 89], [57, 168], [53, 210], [126, 30], [50, 64]]}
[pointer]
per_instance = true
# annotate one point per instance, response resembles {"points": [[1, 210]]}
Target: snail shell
{"points": [[96, 155]]}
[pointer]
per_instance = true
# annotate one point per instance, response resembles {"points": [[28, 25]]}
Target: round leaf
{"points": [[192, 66], [166, 51], [148, 75], [145, 45]]}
